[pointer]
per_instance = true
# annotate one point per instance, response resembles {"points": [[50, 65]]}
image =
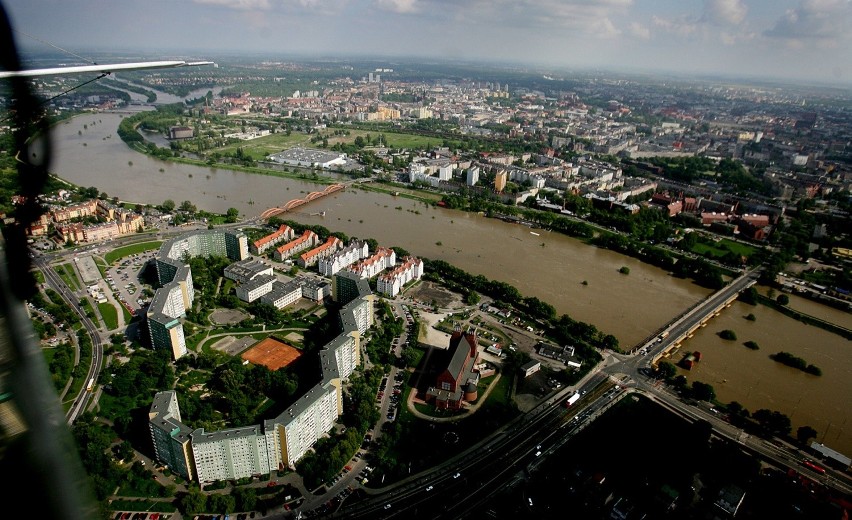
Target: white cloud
{"points": [[725, 12], [721, 20], [640, 31], [592, 17], [241, 5], [399, 6], [814, 20], [682, 26], [323, 6], [604, 28]]}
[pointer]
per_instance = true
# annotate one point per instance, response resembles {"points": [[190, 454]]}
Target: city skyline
{"points": [[789, 39]]}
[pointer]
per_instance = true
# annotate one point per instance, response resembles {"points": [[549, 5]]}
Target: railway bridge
{"points": [[295, 203]]}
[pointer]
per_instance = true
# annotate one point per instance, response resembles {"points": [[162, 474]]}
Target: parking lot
{"points": [[125, 280]]}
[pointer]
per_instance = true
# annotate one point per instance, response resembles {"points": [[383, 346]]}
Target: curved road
{"points": [[53, 280]]}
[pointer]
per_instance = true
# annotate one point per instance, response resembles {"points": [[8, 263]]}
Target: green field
{"points": [[117, 254], [66, 272], [102, 267], [259, 149], [127, 316], [109, 315], [723, 247]]}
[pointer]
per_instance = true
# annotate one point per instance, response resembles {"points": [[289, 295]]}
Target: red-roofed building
{"points": [[308, 239], [313, 256], [457, 377], [283, 234], [708, 219]]}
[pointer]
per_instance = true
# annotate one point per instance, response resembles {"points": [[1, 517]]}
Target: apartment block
{"points": [[241, 452], [391, 283]]}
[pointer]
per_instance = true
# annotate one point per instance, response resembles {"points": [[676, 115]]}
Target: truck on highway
{"points": [[662, 336], [573, 399]]}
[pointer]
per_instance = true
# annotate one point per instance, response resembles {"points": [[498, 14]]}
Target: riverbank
{"points": [[804, 318]]}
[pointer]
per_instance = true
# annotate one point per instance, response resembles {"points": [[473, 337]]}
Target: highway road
{"points": [[53, 280], [466, 483], [468, 480]]}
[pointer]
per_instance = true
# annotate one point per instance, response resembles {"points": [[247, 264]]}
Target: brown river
{"points": [[549, 266]]}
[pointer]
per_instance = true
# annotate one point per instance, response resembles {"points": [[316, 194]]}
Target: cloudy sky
{"points": [[793, 39]]}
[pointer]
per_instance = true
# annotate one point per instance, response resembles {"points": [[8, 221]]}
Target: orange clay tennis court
{"points": [[272, 354]]}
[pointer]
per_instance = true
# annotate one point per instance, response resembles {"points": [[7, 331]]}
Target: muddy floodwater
{"points": [[549, 266]]}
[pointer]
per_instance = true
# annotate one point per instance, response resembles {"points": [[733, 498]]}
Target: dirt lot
{"points": [[232, 345], [428, 292], [227, 316]]}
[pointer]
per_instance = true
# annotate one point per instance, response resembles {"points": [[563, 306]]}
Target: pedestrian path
{"points": [[470, 409]]}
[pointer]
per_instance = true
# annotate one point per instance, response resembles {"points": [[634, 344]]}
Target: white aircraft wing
{"points": [[104, 69]]}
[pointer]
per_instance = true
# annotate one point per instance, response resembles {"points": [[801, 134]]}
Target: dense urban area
{"points": [[260, 362]]}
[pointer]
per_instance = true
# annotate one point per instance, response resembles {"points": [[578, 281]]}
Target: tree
{"points": [[187, 206], [472, 298], [409, 356], [231, 215], [783, 299], [246, 498], [735, 408], [772, 422], [220, 503], [624, 270], [749, 296], [728, 334], [703, 391], [666, 370], [805, 433], [193, 502], [168, 205]]}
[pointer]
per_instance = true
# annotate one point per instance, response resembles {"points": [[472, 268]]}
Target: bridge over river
{"points": [[295, 203], [681, 327]]}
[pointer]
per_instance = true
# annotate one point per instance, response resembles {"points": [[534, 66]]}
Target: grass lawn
{"points": [[109, 315], [259, 149], [66, 272], [87, 307], [121, 252], [420, 353], [722, 248], [736, 247], [102, 267], [499, 396], [144, 505], [39, 276], [394, 139], [127, 316]]}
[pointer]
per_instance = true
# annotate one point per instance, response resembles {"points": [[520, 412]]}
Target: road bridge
{"points": [[670, 336]]}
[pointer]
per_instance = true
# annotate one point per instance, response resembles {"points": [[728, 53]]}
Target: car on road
{"points": [[430, 488], [457, 475], [387, 506]]}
